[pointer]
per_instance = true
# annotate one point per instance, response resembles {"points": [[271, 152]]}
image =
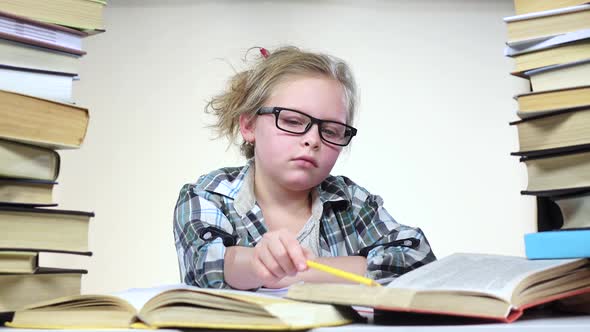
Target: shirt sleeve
{"points": [[386, 261], [201, 262]]}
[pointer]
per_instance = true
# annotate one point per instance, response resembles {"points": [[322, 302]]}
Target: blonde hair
{"points": [[249, 89]]}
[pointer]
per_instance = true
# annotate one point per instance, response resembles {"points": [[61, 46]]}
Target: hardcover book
{"points": [[25, 192], [19, 290], [180, 306], [44, 229], [541, 25], [26, 30], [557, 174], [83, 15], [17, 54], [552, 101], [493, 287], [555, 54], [564, 76], [566, 243], [41, 122], [554, 131], [32, 262], [529, 6], [24, 161]]}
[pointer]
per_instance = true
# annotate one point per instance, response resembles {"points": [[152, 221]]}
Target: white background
{"points": [[434, 139]]}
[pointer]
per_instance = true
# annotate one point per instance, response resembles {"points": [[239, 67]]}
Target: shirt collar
{"points": [[241, 190], [245, 200], [230, 186], [333, 190]]}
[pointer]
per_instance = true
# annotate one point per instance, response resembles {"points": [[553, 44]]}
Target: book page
{"points": [[138, 297], [278, 292], [492, 274], [267, 296]]}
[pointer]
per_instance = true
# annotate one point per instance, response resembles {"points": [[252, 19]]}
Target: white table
{"points": [[527, 324], [537, 324]]}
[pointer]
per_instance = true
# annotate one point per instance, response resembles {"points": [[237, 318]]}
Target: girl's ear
{"points": [[247, 125]]}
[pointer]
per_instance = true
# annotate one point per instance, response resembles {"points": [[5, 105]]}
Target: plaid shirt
{"points": [[352, 219]]}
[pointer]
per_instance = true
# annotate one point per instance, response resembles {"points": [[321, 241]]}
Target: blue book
{"points": [[571, 243]]}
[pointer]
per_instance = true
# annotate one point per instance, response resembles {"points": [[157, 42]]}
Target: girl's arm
{"points": [[392, 249], [201, 262]]}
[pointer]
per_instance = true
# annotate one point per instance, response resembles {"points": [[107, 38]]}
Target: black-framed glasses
{"points": [[297, 122]]}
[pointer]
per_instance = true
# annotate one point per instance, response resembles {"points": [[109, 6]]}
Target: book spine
{"points": [[558, 244]]}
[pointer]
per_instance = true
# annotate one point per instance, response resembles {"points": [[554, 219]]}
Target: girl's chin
{"points": [[300, 184]]}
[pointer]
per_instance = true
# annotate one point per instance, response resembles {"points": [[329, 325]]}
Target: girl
{"points": [[256, 225]]}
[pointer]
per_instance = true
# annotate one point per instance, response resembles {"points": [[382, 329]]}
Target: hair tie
{"points": [[264, 52]]}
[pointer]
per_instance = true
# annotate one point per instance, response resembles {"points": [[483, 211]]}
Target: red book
{"points": [[489, 287]]}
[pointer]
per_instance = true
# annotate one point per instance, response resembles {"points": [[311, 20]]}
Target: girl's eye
{"points": [[329, 133], [333, 130], [293, 122]]}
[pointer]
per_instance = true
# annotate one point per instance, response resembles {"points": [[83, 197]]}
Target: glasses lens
{"points": [[335, 132], [293, 121]]}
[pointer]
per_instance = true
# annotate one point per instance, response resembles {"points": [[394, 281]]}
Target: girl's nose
{"points": [[312, 137]]}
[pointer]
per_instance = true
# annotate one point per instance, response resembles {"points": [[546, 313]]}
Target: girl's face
{"points": [[297, 162]]}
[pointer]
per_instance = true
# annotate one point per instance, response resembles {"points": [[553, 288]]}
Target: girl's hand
{"points": [[277, 256], [290, 280], [273, 263]]}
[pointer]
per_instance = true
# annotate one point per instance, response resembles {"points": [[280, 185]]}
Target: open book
{"points": [[472, 285], [183, 307]]}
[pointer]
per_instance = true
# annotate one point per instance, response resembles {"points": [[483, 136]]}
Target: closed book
{"points": [[17, 54], [20, 290], [180, 306], [39, 83], [564, 76], [545, 102], [41, 122], [43, 229], [77, 14], [559, 54], [573, 243], [26, 30], [25, 161], [25, 192], [552, 175], [540, 25], [494, 287], [30, 262], [554, 131], [530, 6]]}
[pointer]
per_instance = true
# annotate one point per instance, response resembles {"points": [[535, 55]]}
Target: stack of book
{"points": [[550, 44], [40, 49]]}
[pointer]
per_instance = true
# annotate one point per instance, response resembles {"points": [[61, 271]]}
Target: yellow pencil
{"points": [[342, 274]]}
